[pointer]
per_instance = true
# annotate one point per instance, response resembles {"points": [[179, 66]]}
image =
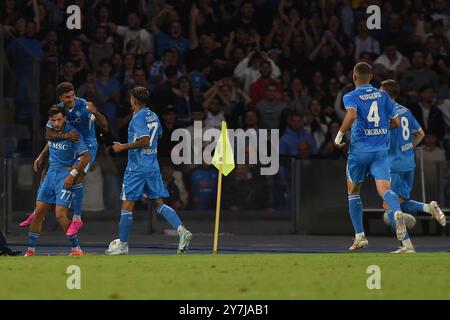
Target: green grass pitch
{"points": [[226, 276]]}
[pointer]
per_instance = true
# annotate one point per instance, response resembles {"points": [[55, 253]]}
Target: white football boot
{"points": [[404, 249], [185, 239], [119, 249], [437, 213], [359, 243]]}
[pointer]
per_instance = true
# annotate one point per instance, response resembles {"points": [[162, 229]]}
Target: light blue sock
{"points": [[32, 239], [169, 214], [394, 226], [412, 206], [356, 212], [392, 201], [77, 199], [125, 224], [74, 241]]}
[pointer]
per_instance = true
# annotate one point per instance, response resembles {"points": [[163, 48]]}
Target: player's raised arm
{"points": [[52, 135], [99, 118]]}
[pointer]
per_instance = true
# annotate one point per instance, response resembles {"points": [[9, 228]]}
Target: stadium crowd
{"points": [[271, 64]]}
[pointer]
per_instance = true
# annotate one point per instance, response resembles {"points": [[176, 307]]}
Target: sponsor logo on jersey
{"points": [[58, 146]]}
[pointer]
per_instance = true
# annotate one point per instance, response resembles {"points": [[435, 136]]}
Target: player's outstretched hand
{"points": [[73, 136], [117, 147], [68, 181]]}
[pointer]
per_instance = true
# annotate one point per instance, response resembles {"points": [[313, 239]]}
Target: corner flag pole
{"points": [[216, 227], [222, 153]]}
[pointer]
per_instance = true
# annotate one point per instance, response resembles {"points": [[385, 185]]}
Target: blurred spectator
{"points": [[164, 93], [91, 88], [243, 190], [168, 123], [298, 98], [391, 63], [203, 186], [172, 39], [316, 122], [125, 75], [99, 49], [431, 151], [248, 70], [270, 108], [364, 42], [258, 89], [418, 75], [427, 114], [169, 58], [295, 133], [133, 31]]}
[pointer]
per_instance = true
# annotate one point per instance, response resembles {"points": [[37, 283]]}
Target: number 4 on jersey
{"points": [[373, 115]]}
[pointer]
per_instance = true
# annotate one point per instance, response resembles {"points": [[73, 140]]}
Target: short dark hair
{"points": [[64, 87], [141, 94], [363, 68], [55, 109], [391, 87]]}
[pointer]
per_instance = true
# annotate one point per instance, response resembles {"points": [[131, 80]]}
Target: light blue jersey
{"points": [[64, 153], [145, 123], [82, 120], [401, 149], [374, 110]]}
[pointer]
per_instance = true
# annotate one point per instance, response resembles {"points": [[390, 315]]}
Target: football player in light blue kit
{"points": [[403, 140], [370, 113], [142, 175], [58, 186], [81, 115]]}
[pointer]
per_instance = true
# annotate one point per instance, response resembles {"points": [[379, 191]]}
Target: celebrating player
{"points": [[81, 115], [66, 160], [142, 175], [370, 113], [403, 140]]}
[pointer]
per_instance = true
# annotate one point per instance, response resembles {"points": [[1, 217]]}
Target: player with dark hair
{"points": [[403, 140], [66, 160], [370, 113], [142, 175], [81, 116]]}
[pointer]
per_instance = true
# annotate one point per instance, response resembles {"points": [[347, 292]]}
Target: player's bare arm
{"points": [[418, 137], [53, 135], [99, 118], [140, 143], [350, 117], [37, 163], [84, 160]]}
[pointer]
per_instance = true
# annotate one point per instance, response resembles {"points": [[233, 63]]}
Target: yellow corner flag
{"points": [[223, 160]]}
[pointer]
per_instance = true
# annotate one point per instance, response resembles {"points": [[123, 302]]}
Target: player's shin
{"points": [[412, 206], [170, 215], [356, 214], [78, 195], [392, 201], [125, 224], [32, 241]]}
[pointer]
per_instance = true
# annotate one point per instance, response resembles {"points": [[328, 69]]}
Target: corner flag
{"points": [[223, 160]]}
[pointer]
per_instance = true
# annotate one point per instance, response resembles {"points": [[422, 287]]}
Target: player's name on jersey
{"points": [[152, 118], [370, 96], [375, 132], [407, 146]]}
